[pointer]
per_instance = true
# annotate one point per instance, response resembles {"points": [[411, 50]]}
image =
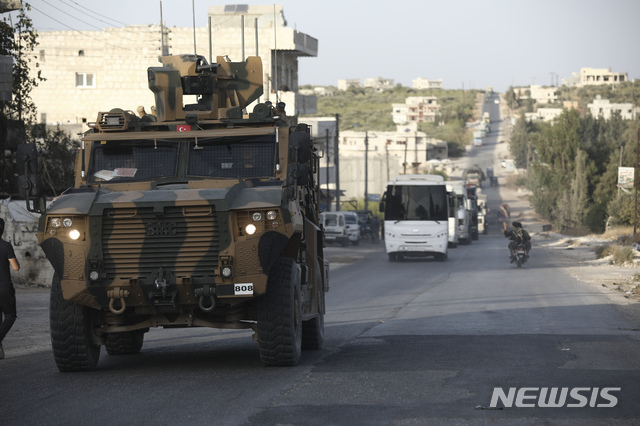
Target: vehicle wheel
{"points": [[393, 257], [519, 262], [124, 343], [313, 329], [442, 256], [474, 235], [344, 243], [279, 316], [71, 327], [356, 242]]}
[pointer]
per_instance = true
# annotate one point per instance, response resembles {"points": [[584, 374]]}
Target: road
{"points": [[408, 343]]}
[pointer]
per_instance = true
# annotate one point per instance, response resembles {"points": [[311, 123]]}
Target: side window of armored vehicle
{"points": [[351, 219], [233, 157], [133, 160], [330, 220], [341, 220]]}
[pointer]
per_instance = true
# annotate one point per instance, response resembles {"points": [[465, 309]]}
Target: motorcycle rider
{"points": [[518, 235]]}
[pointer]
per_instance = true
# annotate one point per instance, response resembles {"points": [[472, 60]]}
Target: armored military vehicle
{"points": [[199, 215]]}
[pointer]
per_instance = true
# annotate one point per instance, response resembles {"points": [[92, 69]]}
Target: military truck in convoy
{"points": [[198, 216]]}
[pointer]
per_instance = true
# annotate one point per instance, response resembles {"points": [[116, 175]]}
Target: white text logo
{"points": [[555, 397]]}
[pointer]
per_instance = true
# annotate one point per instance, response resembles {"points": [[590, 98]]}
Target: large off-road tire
{"points": [[313, 329], [280, 317], [71, 328], [124, 343]]}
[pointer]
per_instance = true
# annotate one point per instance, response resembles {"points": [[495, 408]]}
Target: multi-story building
{"points": [[605, 109], [91, 71], [423, 83], [416, 109], [543, 95], [594, 76]]}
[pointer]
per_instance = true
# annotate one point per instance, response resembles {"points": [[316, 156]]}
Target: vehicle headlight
{"points": [[56, 222], [271, 215], [250, 229], [257, 217], [94, 275], [226, 271], [74, 234], [67, 222]]}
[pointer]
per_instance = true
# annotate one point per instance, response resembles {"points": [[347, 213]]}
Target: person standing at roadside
{"points": [[7, 292]]}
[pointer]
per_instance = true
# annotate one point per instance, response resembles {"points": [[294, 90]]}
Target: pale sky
{"points": [[466, 43]]}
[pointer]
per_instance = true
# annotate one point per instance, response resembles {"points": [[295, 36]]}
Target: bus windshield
{"points": [[416, 202]]}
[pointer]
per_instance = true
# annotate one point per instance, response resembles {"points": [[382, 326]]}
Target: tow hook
{"points": [[117, 293], [206, 291]]}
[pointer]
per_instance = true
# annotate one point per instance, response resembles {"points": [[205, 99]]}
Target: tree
{"points": [[17, 115]]}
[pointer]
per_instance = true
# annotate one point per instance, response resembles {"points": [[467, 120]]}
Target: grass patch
{"points": [[622, 254], [617, 232], [602, 251]]}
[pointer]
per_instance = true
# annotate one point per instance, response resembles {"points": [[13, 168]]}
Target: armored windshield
{"points": [[416, 202], [243, 156], [133, 160]]}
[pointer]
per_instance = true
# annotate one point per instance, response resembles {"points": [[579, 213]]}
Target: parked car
{"points": [[340, 227]]}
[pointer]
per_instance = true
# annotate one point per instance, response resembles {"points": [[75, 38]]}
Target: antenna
{"points": [[242, 31], [210, 53], [193, 9], [275, 51], [161, 31]]}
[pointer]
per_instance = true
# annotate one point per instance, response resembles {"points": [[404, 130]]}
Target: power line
{"points": [[80, 32], [98, 28], [95, 13]]}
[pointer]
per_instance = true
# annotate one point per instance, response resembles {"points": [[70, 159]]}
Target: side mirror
{"points": [[29, 186], [383, 202], [300, 142], [27, 159], [297, 174]]}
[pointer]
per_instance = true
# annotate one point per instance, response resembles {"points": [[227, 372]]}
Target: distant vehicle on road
{"points": [[416, 217]]}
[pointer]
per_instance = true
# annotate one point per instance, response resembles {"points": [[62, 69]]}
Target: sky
{"points": [[468, 44]]}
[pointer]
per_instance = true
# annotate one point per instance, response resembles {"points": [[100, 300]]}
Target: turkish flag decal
{"points": [[183, 128]]}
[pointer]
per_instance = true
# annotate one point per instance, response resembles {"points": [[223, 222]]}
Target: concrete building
{"points": [[390, 153], [346, 84], [605, 109], [543, 95], [543, 114], [378, 83], [423, 83], [416, 109], [92, 71], [595, 76]]}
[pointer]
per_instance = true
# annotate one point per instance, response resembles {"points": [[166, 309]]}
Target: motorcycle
{"points": [[520, 255]]}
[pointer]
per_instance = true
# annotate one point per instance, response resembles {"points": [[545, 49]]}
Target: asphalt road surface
{"points": [[407, 343]]}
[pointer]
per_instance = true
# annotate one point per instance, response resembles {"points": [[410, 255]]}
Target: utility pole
{"points": [[336, 155], [366, 170], [328, 166], [635, 186]]}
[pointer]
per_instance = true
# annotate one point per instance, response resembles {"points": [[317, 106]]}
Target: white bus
{"points": [[416, 217]]}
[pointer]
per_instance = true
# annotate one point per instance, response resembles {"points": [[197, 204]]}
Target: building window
{"points": [[85, 80], [80, 52], [42, 55]]}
